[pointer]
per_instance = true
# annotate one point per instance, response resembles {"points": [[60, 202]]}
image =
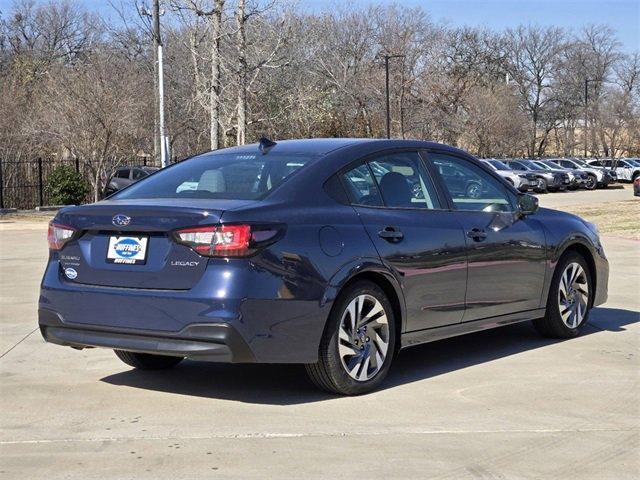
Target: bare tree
{"points": [[95, 112], [531, 54]]}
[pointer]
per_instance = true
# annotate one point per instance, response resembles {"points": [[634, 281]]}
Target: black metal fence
{"points": [[22, 182]]}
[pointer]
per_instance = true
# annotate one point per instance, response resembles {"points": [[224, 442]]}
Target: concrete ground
{"points": [[502, 404]]}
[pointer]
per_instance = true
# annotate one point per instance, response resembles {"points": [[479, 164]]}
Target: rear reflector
{"points": [[58, 235], [217, 240]]}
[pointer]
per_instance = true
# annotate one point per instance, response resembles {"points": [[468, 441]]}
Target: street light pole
{"points": [[160, 141], [587, 81], [386, 82], [159, 81]]}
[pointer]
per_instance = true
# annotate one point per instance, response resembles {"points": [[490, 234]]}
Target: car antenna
{"points": [[265, 145]]}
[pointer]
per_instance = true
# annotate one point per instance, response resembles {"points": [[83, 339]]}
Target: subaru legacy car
{"points": [[332, 253]]}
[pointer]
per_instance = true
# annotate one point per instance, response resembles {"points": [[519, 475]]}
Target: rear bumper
{"points": [[216, 343]]}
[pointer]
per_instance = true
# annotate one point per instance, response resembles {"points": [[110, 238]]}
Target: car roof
{"points": [[323, 146]]}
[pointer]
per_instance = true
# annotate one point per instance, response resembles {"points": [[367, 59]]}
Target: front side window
{"points": [[567, 164], [470, 187], [238, 176], [138, 174]]}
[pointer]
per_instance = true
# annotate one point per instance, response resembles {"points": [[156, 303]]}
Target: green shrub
{"points": [[65, 186]]}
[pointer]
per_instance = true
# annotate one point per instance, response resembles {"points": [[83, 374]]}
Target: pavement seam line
{"points": [[262, 436], [20, 341]]}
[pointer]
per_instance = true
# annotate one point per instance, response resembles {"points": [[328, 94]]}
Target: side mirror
{"points": [[527, 204]]}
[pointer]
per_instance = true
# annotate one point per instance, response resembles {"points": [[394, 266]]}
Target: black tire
{"points": [[591, 183], [541, 186], [552, 325], [329, 373], [146, 361], [473, 190]]}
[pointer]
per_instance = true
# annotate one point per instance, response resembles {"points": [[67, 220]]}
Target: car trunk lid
{"points": [[128, 243]]}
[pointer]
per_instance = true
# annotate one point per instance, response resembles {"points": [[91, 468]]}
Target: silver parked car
{"points": [[521, 180], [577, 178], [547, 180], [125, 176]]}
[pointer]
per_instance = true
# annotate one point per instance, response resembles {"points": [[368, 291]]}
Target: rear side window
{"points": [[238, 176], [403, 181], [395, 180], [361, 186]]}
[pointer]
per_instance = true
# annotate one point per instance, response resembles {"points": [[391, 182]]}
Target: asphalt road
{"points": [[498, 404]]}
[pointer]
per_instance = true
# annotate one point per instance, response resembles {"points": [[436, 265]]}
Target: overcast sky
{"points": [[623, 15]]}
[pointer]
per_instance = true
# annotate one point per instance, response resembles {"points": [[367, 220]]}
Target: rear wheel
{"points": [[568, 304], [357, 346], [146, 361]]}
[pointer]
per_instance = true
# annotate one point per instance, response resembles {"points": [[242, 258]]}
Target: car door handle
{"points": [[477, 234], [391, 234]]}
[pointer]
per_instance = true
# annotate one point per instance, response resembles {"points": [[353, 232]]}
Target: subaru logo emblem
{"points": [[121, 220]]}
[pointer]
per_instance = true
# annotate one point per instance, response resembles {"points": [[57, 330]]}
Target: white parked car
{"points": [[626, 170], [598, 176]]}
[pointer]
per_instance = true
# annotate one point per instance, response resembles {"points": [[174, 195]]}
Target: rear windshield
{"points": [[237, 176]]}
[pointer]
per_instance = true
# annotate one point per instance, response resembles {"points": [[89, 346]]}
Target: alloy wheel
{"points": [[363, 341], [573, 295], [474, 190], [591, 183]]}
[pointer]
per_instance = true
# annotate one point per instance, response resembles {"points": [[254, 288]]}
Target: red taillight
{"points": [[58, 235], [217, 240]]}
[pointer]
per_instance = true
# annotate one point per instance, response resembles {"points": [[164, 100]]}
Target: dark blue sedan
{"points": [[332, 253]]}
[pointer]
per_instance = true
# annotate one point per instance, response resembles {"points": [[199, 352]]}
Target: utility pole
{"points": [[386, 82]]}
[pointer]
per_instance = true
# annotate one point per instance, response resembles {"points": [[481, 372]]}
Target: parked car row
{"points": [[540, 176], [558, 174]]}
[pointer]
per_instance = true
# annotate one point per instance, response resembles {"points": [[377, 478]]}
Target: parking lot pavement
{"points": [[618, 192], [498, 404]]}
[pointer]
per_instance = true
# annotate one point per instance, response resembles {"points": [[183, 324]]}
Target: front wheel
{"points": [[146, 361], [591, 183], [569, 300], [541, 185], [358, 343]]}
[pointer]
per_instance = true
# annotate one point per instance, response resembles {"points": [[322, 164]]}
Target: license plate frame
{"points": [[127, 249]]}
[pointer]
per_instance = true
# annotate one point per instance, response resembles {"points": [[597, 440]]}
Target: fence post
{"points": [[77, 165], [1, 187], [40, 186]]}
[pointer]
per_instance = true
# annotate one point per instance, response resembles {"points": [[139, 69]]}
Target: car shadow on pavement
{"points": [[288, 384]]}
